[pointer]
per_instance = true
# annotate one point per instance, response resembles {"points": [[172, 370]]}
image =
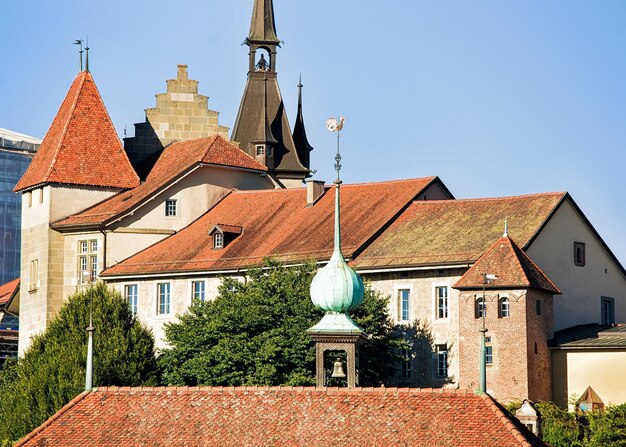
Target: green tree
{"points": [[52, 371], [254, 333], [559, 427], [608, 428]]}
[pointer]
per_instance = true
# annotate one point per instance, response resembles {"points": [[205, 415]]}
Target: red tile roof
{"points": [[511, 265], [456, 231], [7, 290], [251, 416], [277, 223], [176, 159], [81, 146]]}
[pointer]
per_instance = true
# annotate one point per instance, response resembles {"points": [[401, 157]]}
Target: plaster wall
{"points": [[575, 370], [422, 285], [582, 287]]}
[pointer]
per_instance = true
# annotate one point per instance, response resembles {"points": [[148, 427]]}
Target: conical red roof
{"points": [[81, 146], [511, 265]]}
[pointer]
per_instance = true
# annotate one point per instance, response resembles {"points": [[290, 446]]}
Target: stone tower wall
{"points": [[180, 114]]}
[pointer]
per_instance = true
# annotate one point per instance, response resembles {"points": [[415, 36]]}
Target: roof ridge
{"points": [[505, 420], [488, 199], [298, 389], [52, 419], [67, 122]]}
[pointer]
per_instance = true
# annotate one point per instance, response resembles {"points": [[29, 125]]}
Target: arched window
{"points": [[505, 310], [479, 308]]}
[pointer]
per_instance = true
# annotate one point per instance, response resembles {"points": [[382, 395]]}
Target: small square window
{"points": [[260, 150], [170, 207], [579, 254]]}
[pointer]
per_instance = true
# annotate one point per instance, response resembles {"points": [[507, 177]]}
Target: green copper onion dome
{"points": [[337, 287]]}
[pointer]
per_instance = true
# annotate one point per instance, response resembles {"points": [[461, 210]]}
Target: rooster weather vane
{"points": [[335, 125]]}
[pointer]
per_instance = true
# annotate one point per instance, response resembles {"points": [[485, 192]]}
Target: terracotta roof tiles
{"points": [[250, 416], [511, 265], [441, 232], [7, 290], [176, 159], [81, 146], [279, 224]]}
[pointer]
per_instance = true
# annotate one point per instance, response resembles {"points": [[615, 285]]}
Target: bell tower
{"points": [[262, 123]]}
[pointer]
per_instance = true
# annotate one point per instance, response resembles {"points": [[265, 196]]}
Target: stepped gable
{"points": [[281, 416], [511, 265], [278, 223], [81, 146], [176, 159], [448, 232]]}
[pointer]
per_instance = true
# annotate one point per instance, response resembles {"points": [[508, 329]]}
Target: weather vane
{"points": [[335, 125], [80, 53]]}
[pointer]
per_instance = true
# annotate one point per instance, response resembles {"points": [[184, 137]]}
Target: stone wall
{"points": [[180, 114]]}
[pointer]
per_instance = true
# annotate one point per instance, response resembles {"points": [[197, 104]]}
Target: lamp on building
{"points": [[488, 278]]}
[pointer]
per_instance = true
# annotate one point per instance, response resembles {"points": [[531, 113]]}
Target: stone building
{"points": [[208, 207]]}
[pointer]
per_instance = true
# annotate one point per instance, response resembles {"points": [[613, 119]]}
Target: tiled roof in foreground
{"points": [[254, 416], [511, 265], [175, 160], [81, 146], [277, 223], [441, 232]]}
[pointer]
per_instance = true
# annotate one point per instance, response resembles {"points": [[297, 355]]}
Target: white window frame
{"points": [[134, 307], [399, 301], [171, 206], [501, 310], [436, 288], [218, 239], [480, 308], [441, 352], [193, 290], [87, 260], [165, 305], [34, 275]]}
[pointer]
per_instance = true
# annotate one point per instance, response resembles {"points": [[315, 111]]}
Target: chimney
{"points": [[182, 72], [314, 190]]}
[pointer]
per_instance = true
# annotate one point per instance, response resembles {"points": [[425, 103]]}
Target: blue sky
{"points": [[496, 98]]}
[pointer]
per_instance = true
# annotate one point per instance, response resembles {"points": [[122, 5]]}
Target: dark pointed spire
{"points": [[264, 131], [263, 26], [303, 147]]}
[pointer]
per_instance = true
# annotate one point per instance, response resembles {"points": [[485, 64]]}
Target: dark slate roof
{"points": [[263, 24], [590, 336], [255, 416]]}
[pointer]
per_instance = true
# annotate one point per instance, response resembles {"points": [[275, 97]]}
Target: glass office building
{"points": [[16, 153]]}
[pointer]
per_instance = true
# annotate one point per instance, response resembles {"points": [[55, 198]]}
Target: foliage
{"points": [[52, 371], [608, 428], [254, 333], [559, 427]]}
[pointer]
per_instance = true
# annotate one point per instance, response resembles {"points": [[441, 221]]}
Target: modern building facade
{"points": [[16, 152]]}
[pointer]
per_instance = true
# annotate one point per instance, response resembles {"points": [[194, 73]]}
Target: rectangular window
{"points": [[93, 263], [260, 150], [403, 304], [442, 302], [41, 196], [93, 246], [29, 199], [34, 275], [163, 304], [197, 290], [170, 207], [479, 307], [82, 247], [579, 254], [87, 261], [442, 360], [538, 307], [608, 310], [130, 293], [218, 240], [269, 151], [405, 373], [489, 355]]}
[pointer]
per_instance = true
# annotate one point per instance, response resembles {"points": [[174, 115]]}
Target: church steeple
{"points": [[262, 102], [299, 133], [263, 25]]}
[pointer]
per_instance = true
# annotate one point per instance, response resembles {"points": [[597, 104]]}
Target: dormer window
{"points": [[224, 234], [218, 240]]}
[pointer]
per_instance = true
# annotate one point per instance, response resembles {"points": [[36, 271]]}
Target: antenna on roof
{"points": [[87, 55], [80, 52], [506, 227]]}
